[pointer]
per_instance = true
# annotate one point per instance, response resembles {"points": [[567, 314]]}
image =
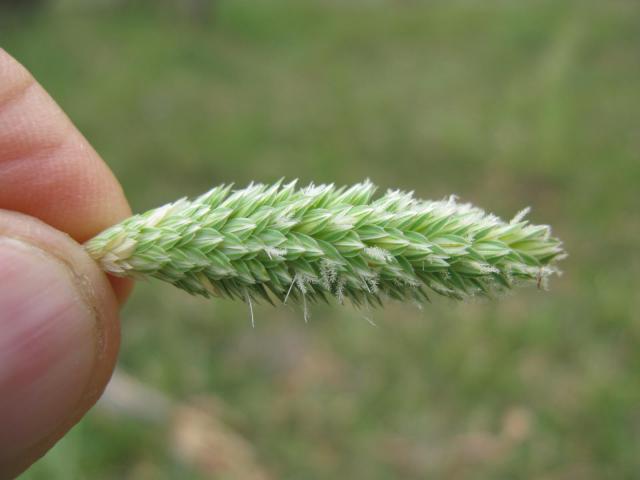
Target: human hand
{"points": [[59, 330]]}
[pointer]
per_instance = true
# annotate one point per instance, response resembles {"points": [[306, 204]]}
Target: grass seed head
{"points": [[309, 244]]}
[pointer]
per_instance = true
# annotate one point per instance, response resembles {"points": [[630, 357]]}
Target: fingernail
{"points": [[47, 345]]}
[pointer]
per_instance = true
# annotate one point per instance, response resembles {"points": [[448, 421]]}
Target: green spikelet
{"points": [[320, 241]]}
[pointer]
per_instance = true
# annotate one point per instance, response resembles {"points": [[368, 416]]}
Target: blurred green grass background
{"points": [[506, 104]]}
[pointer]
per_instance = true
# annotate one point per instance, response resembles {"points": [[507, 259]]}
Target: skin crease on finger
{"points": [[49, 172]]}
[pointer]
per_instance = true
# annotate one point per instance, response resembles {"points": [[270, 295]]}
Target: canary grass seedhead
{"points": [[308, 244]]}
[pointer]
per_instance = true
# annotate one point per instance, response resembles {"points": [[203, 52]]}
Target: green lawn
{"points": [[506, 104]]}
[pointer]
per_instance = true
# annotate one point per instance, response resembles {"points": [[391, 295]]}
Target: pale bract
{"points": [[312, 243]]}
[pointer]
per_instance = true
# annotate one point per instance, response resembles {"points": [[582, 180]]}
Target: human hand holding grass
{"points": [[59, 329]]}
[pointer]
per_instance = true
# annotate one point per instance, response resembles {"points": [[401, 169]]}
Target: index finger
{"points": [[47, 168]]}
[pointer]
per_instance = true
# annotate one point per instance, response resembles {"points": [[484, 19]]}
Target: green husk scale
{"points": [[279, 242]]}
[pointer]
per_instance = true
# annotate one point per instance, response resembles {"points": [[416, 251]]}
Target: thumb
{"points": [[59, 337]]}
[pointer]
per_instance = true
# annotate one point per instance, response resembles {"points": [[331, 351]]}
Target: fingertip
{"points": [[59, 337], [48, 169]]}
